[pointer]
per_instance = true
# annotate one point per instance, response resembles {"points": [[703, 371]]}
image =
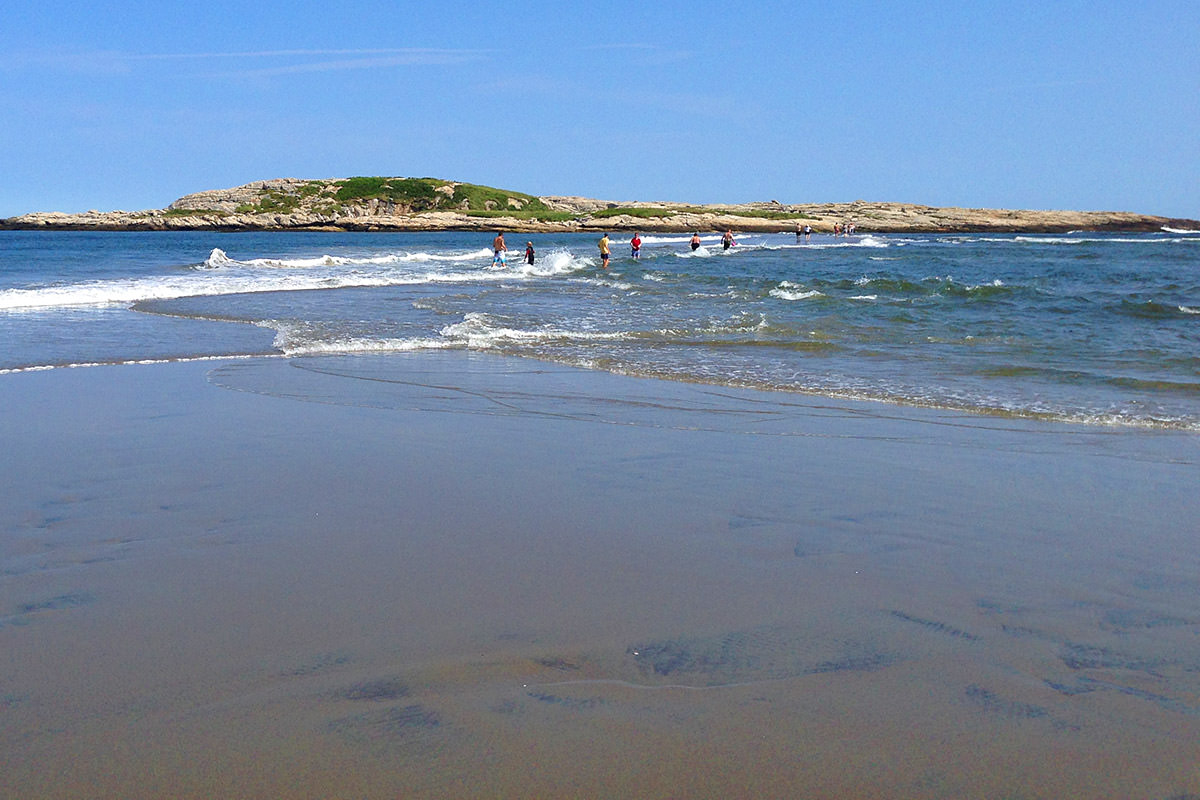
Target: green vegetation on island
{"points": [[401, 196], [635, 211]]}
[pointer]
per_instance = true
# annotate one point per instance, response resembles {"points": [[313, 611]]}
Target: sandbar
{"points": [[463, 575]]}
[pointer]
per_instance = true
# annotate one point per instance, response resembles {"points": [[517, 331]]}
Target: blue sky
{"points": [[982, 104]]}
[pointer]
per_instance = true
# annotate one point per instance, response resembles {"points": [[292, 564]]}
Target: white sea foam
{"points": [[362, 345], [785, 294], [222, 275], [683, 238], [131, 362], [556, 262], [1168, 229], [133, 290], [479, 331], [865, 297], [831, 242], [1091, 240], [1189, 310], [219, 259]]}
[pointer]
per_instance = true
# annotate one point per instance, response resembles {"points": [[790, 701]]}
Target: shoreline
{"points": [[1091, 421], [453, 572]]}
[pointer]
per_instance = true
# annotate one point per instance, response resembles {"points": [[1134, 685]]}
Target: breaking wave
{"points": [[221, 275]]}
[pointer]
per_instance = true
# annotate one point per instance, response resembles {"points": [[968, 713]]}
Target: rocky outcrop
{"points": [[425, 204], [229, 200]]}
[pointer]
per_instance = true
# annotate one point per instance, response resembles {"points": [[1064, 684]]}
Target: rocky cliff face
{"points": [[357, 204], [229, 200]]}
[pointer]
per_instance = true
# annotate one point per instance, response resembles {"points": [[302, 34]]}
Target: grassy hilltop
{"points": [[404, 196]]}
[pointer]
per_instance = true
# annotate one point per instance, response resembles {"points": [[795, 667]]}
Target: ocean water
{"points": [[1100, 329]]}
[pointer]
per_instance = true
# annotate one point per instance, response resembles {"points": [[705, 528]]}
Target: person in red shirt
{"points": [[636, 244]]}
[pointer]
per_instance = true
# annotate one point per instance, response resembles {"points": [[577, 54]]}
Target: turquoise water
{"points": [[1094, 328]]}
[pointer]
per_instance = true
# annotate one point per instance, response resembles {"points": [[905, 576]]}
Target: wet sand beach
{"points": [[463, 575]]}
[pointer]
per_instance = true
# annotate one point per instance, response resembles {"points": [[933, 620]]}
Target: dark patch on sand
{"points": [[935, 627], [994, 704], [1021, 632], [506, 707], [1082, 656], [376, 690], [996, 607], [1080, 687], [558, 663], [731, 655], [387, 725], [1085, 685], [573, 703], [1163, 582], [320, 663], [1123, 619], [865, 663], [62, 601], [739, 521], [747, 656]]}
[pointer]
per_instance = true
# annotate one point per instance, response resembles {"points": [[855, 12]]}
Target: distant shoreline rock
{"points": [[431, 204]]}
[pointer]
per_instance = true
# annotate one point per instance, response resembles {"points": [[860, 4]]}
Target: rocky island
{"points": [[424, 204]]}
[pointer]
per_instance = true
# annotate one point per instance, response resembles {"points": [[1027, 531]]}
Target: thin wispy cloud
{"points": [[102, 63], [398, 59], [390, 51]]}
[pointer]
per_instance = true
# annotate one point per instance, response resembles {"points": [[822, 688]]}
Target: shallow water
{"points": [[1094, 328]]}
